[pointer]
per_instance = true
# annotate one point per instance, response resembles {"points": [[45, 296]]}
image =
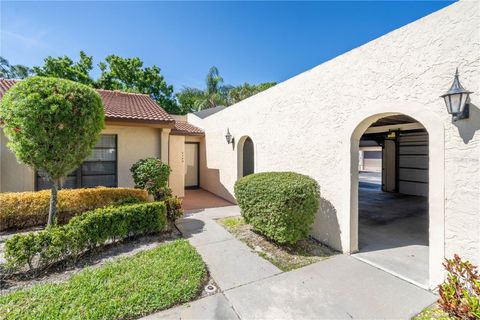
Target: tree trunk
{"points": [[52, 212]]}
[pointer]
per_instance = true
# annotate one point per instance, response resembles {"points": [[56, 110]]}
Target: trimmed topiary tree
{"points": [[52, 125], [152, 174], [279, 205]]}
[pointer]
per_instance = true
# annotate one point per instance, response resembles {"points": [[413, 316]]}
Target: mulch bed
{"points": [[285, 257]]}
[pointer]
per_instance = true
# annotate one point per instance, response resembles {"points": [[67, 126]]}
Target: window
{"points": [[99, 169]]}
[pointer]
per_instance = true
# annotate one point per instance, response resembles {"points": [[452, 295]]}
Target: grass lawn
{"points": [[432, 313], [125, 288], [285, 257]]}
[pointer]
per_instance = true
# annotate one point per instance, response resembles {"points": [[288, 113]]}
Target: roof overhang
{"points": [[112, 121]]}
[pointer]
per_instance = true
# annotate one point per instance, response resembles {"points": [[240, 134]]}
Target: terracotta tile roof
{"points": [[6, 84], [121, 105], [134, 106], [183, 128]]}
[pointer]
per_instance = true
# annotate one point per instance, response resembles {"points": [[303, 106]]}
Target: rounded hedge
{"points": [[52, 124], [279, 205]]}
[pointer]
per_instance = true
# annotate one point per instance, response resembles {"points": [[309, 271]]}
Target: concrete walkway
{"points": [[251, 288]]}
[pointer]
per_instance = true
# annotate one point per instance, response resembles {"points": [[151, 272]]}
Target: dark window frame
{"points": [[78, 172]]}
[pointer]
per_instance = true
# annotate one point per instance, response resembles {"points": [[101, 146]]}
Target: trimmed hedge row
{"points": [[20, 210], [38, 250], [280, 205]]}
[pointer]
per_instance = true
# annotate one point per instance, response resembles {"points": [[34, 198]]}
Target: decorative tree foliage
{"points": [[152, 175], [65, 68], [9, 71], [246, 90], [128, 74], [216, 93], [52, 125]]}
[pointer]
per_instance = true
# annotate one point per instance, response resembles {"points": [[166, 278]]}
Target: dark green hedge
{"points": [[38, 250], [280, 205]]}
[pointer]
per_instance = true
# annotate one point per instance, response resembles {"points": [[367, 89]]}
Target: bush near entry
{"points": [[39, 250], [20, 210], [280, 205], [151, 174]]}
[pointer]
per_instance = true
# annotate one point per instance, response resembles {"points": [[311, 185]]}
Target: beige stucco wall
{"points": [[311, 124], [14, 177], [133, 143], [177, 164]]}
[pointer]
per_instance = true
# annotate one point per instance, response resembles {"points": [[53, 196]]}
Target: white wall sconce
{"points": [[456, 99], [229, 137]]}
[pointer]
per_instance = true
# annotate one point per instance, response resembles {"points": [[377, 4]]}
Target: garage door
{"points": [[413, 163]]}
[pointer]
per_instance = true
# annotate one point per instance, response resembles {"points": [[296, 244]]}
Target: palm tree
{"points": [[215, 93], [9, 71]]}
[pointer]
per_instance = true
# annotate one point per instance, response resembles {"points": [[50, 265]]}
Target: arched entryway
{"points": [[246, 157], [395, 221]]}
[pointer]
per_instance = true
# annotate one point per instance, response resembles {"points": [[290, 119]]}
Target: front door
{"points": [[191, 165]]}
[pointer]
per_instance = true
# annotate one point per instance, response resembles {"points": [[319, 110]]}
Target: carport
{"points": [[393, 203]]}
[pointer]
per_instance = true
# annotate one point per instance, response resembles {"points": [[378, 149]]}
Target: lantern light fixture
{"points": [[456, 100], [229, 137]]}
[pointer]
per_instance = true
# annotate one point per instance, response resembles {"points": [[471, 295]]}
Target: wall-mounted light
{"points": [[456, 99], [229, 137]]}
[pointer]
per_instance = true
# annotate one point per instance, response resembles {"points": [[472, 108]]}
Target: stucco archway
{"points": [[245, 157], [436, 218]]}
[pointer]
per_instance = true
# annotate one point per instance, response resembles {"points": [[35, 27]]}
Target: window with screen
{"points": [[99, 169]]}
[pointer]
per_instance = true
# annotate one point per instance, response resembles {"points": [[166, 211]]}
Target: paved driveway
{"points": [[251, 288]]}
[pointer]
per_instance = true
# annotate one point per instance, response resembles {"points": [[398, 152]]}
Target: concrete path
{"points": [[341, 287]]}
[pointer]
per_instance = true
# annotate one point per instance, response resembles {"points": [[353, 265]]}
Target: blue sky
{"points": [[249, 42]]}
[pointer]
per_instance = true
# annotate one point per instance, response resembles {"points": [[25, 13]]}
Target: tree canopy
{"points": [[128, 74], [216, 93], [16, 71], [246, 90], [65, 68], [117, 73], [52, 125]]}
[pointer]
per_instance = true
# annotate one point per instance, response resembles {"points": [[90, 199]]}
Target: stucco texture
{"points": [[133, 143], [311, 124]]}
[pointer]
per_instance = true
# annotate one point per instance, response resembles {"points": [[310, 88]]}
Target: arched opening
{"points": [[246, 157], [392, 219]]}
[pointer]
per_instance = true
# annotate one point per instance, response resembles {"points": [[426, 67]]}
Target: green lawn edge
{"points": [[125, 288]]}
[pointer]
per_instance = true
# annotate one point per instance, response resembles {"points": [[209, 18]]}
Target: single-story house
{"points": [[136, 127], [426, 203], [421, 207]]}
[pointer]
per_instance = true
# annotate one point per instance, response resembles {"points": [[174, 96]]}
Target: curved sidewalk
{"points": [[250, 287]]}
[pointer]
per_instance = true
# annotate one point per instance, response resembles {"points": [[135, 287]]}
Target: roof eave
{"points": [[132, 122]]}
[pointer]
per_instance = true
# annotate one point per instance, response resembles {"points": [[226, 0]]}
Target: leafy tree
{"points": [[52, 125], [151, 174], [128, 74], [9, 71], [246, 90], [66, 68], [214, 94], [187, 97]]}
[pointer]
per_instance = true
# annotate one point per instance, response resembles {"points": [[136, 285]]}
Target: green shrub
{"points": [[151, 174], [20, 210], [51, 125], [280, 205], [85, 232], [125, 288], [174, 207], [460, 293]]}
